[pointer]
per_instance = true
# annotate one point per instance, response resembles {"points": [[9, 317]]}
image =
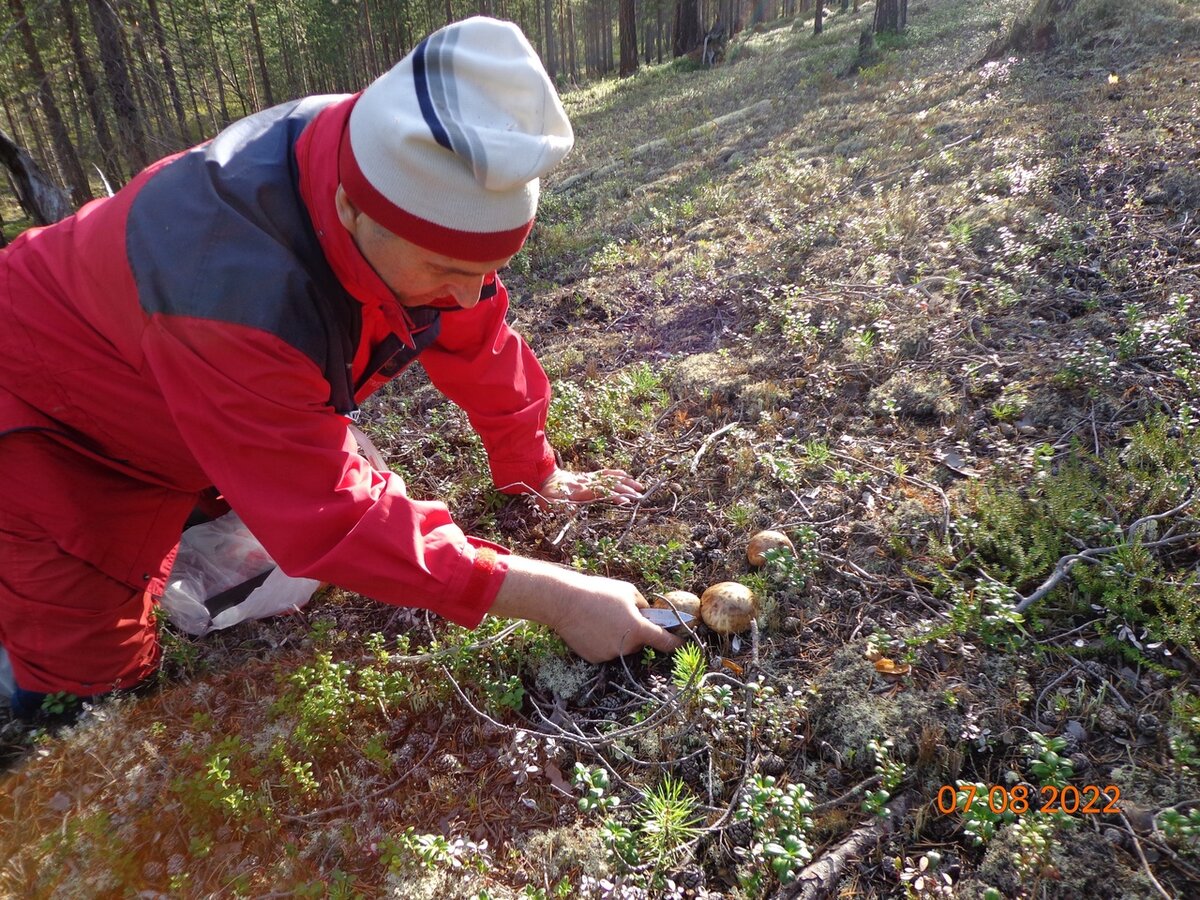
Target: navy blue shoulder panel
{"points": [[221, 233]]}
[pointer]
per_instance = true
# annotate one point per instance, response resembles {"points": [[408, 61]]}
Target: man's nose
{"points": [[467, 293]]}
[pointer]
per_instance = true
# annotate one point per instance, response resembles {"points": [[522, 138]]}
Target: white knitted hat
{"points": [[446, 149]]}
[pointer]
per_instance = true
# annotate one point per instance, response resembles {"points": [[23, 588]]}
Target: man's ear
{"points": [[346, 210]]}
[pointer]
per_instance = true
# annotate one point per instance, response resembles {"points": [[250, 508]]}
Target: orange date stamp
{"points": [[1088, 800]]}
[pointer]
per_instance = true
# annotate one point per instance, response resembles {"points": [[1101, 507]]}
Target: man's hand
{"points": [[585, 487], [597, 617]]}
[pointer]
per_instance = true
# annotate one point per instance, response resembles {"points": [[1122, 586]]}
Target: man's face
{"points": [[416, 276]]}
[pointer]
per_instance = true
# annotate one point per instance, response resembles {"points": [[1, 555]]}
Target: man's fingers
{"points": [[624, 481], [661, 639]]}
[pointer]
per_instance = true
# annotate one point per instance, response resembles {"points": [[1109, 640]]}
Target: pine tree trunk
{"points": [[887, 16], [819, 20], [187, 69], [262, 56], [285, 49], [149, 78], [658, 33], [551, 54], [307, 75], [216, 67], [251, 82], [571, 31], [560, 20], [35, 130], [234, 81], [116, 75], [688, 32], [607, 33], [372, 61], [91, 92], [627, 26], [168, 67]]}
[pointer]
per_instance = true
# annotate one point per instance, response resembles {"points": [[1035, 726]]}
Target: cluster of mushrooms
{"points": [[728, 607]]}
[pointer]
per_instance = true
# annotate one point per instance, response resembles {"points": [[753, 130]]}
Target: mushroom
{"points": [[756, 552], [682, 601], [727, 607]]}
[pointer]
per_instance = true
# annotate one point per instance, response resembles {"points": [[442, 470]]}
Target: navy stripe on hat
{"points": [[421, 84]]}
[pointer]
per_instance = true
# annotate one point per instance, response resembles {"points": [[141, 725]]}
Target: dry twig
{"points": [[820, 878]]}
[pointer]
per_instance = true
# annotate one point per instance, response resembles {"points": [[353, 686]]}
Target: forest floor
{"points": [[932, 316]]}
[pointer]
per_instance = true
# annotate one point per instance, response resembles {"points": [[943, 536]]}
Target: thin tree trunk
{"points": [[14, 123], [284, 50], [573, 62], [149, 77], [550, 56], [46, 154], [560, 14], [658, 35], [216, 66], [251, 82], [234, 81], [261, 54], [68, 159], [606, 16], [160, 39], [92, 97], [373, 67], [307, 75], [116, 75], [187, 69], [819, 21]]}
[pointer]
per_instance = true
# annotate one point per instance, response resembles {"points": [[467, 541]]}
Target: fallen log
{"points": [[43, 201], [820, 878]]}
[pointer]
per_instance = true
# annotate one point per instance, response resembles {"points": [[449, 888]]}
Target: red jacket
{"points": [[214, 324]]}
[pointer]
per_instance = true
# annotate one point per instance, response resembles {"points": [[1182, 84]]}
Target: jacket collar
{"points": [[316, 160]]}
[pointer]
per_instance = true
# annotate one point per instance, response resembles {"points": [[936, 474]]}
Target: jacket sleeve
{"points": [[487, 369], [254, 412]]}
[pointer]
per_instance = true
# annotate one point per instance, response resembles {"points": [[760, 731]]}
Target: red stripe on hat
{"points": [[469, 246]]}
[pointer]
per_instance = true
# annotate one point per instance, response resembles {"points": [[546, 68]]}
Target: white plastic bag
{"points": [[217, 556]]}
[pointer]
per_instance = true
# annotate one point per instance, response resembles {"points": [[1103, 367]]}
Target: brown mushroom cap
{"points": [[683, 601], [756, 551], [727, 607]]}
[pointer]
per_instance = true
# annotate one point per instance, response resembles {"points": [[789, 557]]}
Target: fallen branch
{"points": [[43, 200], [1137, 845], [659, 143], [1067, 563], [820, 878]]}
